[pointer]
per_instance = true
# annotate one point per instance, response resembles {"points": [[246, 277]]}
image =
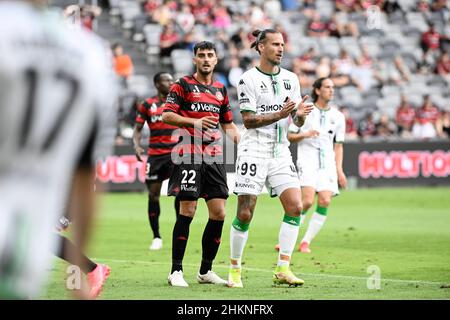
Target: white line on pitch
{"points": [[269, 271]]}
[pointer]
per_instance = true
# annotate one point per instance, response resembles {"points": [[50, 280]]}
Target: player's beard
{"points": [[205, 73], [274, 62]]}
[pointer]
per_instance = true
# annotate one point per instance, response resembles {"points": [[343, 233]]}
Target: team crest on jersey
{"points": [[264, 88], [287, 84], [219, 96], [196, 92]]}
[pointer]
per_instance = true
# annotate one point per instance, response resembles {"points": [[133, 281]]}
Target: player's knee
{"points": [[294, 209], [323, 202], [218, 214], [307, 203], [188, 209], [152, 197], [245, 215]]}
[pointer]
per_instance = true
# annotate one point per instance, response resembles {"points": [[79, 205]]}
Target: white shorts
{"points": [[278, 174], [320, 179]]}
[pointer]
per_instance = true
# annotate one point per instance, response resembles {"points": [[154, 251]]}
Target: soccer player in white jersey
{"points": [[268, 96], [55, 88], [320, 156]]}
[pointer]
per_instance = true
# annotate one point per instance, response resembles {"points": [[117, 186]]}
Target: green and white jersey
{"points": [[264, 93], [330, 124]]}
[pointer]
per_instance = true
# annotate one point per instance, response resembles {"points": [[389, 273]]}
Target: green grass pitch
{"points": [[404, 232]]}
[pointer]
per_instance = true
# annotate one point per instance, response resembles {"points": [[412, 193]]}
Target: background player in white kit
{"points": [[320, 156], [268, 95], [55, 88]]}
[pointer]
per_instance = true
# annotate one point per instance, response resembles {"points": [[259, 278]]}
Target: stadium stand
{"points": [[390, 34]]}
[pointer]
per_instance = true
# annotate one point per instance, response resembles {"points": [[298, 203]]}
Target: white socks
{"points": [[287, 239], [238, 239], [315, 224]]}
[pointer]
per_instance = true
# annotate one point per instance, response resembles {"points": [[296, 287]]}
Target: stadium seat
{"points": [[372, 45], [330, 46], [182, 61], [139, 84], [417, 20], [351, 96], [152, 33], [128, 11], [351, 45], [407, 5], [390, 90]]}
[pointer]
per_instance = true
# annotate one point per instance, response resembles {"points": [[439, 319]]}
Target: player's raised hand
{"points": [[138, 152], [288, 107], [304, 108], [206, 123]]}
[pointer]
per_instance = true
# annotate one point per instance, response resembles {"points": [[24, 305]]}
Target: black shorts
{"points": [[192, 181], [158, 168]]}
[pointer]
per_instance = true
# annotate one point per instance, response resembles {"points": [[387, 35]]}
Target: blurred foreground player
{"points": [[55, 90]]}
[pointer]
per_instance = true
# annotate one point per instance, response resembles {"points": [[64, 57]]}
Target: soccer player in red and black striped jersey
{"points": [[197, 104], [159, 163]]}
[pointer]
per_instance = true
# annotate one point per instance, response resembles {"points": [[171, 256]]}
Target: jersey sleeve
{"points": [[141, 113], [226, 116], [340, 130], [246, 95], [174, 98]]}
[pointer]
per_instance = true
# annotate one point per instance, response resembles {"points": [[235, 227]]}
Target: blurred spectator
{"points": [[350, 128], [443, 64], [323, 68], [288, 5], [202, 11], [362, 75], [346, 5], [340, 26], [430, 40], [123, 65], [423, 6], [443, 125], [366, 57], [367, 127], [317, 27], [426, 120], [385, 127], [308, 8], [345, 62], [391, 6], [405, 117], [168, 40], [257, 16], [185, 19], [151, 5], [307, 62], [164, 13], [82, 15], [339, 79], [395, 72], [222, 19], [240, 39]]}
